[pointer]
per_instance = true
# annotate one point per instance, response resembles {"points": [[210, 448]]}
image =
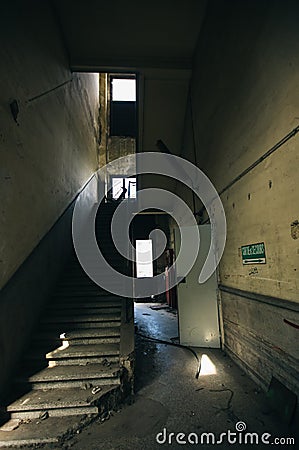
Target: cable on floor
{"points": [[161, 341]]}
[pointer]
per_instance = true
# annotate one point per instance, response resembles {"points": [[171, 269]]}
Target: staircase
{"points": [[73, 364]]}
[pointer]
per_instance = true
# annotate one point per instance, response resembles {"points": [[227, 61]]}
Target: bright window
{"points": [[121, 184], [123, 90], [123, 106]]}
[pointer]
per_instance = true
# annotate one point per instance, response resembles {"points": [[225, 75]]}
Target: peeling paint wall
{"points": [[240, 112], [50, 151], [119, 146], [245, 98], [103, 106]]}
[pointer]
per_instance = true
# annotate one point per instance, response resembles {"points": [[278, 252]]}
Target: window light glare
{"points": [[124, 90]]}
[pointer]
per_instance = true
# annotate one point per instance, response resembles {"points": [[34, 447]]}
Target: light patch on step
{"points": [[52, 364], [64, 345], [207, 366]]}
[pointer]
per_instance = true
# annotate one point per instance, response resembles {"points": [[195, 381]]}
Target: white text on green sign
{"points": [[254, 253]]}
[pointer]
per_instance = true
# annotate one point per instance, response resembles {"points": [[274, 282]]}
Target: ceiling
{"points": [[155, 38], [118, 34]]}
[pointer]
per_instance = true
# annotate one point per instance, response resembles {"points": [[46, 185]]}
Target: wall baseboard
{"points": [[258, 338], [274, 301]]}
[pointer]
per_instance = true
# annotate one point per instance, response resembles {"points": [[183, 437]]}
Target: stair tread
{"points": [[86, 297], [77, 290], [93, 332], [82, 311], [99, 317], [85, 304], [79, 372], [39, 353], [50, 431], [57, 398], [84, 350], [69, 326], [80, 333], [76, 293]]}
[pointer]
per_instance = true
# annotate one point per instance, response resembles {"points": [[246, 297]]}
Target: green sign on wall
{"points": [[254, 253]]}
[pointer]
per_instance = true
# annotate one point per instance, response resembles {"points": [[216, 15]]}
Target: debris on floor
{"points": [[159, 307], [165, 396], [44, 415], [96, 389], [11, 425]]}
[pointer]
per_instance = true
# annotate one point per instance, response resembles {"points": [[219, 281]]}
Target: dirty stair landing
{"points": [[73, 365]]}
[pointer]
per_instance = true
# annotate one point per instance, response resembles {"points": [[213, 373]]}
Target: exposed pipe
{"points": [[49, 91], [256, 163]]}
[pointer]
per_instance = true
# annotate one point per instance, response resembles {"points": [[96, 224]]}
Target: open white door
{"points": [[197, 303]]}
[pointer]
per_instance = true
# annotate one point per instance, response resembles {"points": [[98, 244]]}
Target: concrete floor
{"points": [[168, 396]]}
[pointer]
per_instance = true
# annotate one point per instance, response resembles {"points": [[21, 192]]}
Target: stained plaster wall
{"points": [[47, 155], [161, 117], [245, 98]]}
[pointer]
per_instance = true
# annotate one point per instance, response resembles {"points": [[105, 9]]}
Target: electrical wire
{"points": [[161, 341]]}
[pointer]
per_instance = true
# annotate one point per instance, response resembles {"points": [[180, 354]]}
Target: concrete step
{"points": [[79, 310], [40, 432], [96, 303], [59, 402], [109, 256], [57, 342], [35, 361], [81, 351], [73, 354], [69, 326], [59, 412], [64, 298], [74, 276], [76, 348], [75, 376], [68, 292], [77, 286], [93, 332], [86, 333], [83, 318], [78, 337], [75, 265], [77, 291]]}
